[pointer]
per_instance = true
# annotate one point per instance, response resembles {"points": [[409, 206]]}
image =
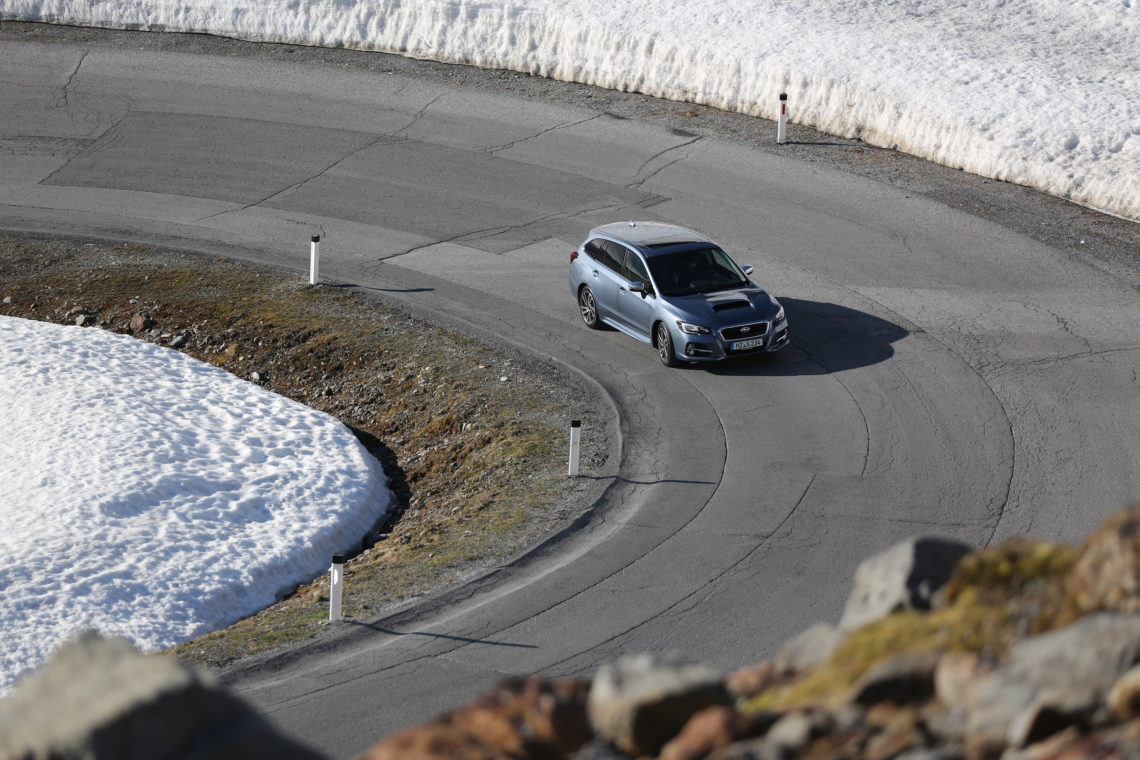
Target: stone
{"points": [[905, 576], [751, 680], [715, 728], [180, 340], [955, 674], [100, 698], [640, 702], [901, 680], [1124, 696], [791, 733], [532, 718], [83, 320], [901, 734], [1052, 680], [1106, 575], [7, 300], [1049, 715], [141, 322], [809, 649]]}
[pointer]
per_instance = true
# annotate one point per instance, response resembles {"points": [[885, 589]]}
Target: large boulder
{"points": [[640, 702], [1053, 681], [100, 698], [903, 577]]}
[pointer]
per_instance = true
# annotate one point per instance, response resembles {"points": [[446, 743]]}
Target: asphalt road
{"points": [[962, 365]]}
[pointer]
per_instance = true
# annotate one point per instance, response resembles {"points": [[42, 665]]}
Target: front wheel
{"points": [[588, 306], [665, 346]]}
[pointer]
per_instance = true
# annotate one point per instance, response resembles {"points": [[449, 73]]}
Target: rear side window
{"points": [[595, 250], [614, 256]]}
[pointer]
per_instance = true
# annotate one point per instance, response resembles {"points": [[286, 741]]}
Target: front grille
{"points": [[744, 332]]}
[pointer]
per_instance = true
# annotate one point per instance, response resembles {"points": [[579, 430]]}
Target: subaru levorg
{"points": [[676, 290]]}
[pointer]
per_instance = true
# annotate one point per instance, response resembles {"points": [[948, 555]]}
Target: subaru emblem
{"points": [[745, 330]]}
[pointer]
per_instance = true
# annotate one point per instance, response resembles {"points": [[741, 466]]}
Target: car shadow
{"points": [[826, 338]]}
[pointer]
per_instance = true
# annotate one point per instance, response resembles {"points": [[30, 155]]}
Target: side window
{"points": [[614, 255], [595, 250], [635, 270]]}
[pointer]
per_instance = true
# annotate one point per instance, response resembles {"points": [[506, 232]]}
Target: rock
{"points": [[535, 718], [902, 577], [899, 735], [809, 649], [901, 680], [180, 340], [1090, 654], [99, 698], [258, 377], [955, 674], [1106, 575], [7, 300], [750, 681], [715, 728], [1124, 696], [1049, 715], [141, 322], [640, 702], [1052, 681], [791, 733], [83, 320]]}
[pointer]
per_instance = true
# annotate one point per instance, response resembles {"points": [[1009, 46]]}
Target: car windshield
{"points": [[703, 270]]}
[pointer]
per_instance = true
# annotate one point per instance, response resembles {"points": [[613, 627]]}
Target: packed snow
{"points": [[155, 497], [1044, 93]]}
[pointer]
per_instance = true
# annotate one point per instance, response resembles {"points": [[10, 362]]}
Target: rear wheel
{"points": [[665, 346], [588, 306]]}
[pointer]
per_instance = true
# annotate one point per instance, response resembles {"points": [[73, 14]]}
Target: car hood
{"points": [[725, 307]]}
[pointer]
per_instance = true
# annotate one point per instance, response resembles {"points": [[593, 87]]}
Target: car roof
{"points": [[643, 234]]}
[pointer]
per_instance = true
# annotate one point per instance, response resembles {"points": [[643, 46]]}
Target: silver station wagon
{"points": [[676, 290]]}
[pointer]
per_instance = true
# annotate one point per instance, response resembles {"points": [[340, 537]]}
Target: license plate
{"points": [[744, 345]]}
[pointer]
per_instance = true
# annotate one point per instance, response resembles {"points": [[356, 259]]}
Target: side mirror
{"points": [[640, 287], [747, 270]]}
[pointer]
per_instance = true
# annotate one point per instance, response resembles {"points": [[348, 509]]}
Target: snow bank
{"points": [[1044, 93], [152, 496]]}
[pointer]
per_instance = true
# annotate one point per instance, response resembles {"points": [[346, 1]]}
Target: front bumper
{"points": [[712, 348]]}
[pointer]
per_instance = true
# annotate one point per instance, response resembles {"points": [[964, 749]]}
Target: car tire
{"points": [[665, 346], [588, 308]]}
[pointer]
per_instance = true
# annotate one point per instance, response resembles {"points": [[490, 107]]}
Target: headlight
{"points": [[692, 329], [779, 316]]}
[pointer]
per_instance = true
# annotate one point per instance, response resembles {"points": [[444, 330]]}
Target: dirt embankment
{"points": [[470, 435]]}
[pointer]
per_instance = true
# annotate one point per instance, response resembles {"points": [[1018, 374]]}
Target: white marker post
{"points": [[782, 125], [315, 260], [575, 439], [336, 587]]}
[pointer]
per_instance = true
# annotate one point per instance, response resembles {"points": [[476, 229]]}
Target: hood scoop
{"points": [[726, 305]]}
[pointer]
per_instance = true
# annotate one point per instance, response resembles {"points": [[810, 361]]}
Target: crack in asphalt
{"points": [[490, 232], [638, 183], [417, 117], [64, 100], [296, 187], [548, 130]]}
